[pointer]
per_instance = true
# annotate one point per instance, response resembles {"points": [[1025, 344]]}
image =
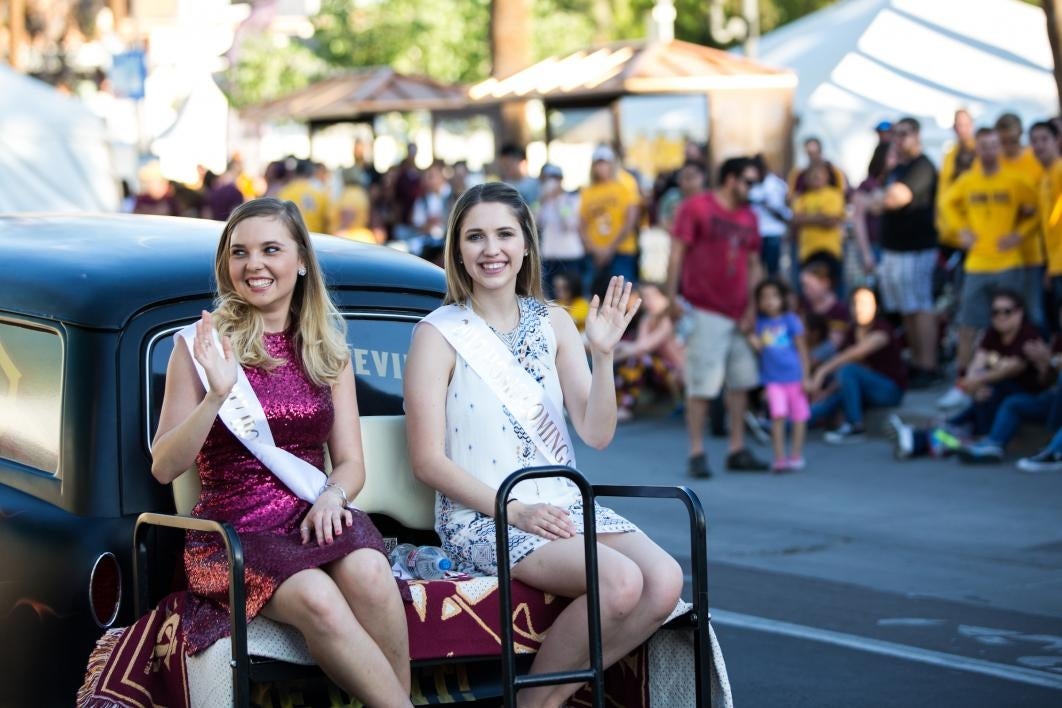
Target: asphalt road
{"points": [[862, 581]]}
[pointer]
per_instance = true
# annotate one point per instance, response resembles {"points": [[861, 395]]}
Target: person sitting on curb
{"points": [[1047, 460], [868, 369], [1000, 368], [1042, 407]]}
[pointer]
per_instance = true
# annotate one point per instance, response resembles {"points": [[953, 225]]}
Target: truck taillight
{"points": [[105, 590]]}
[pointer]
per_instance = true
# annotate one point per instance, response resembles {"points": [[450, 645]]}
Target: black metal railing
{"points": [[511, 683], [240, 664]]}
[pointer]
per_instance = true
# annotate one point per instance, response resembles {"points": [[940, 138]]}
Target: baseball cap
{"points": [[603, 152], [549, 170], [883, 126]]}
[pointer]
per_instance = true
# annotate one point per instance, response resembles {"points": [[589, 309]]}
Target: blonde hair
{"points": [[319, 329], [458, 281]]}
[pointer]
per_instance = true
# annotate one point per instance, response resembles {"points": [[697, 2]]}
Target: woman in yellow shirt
{"points": [[818, 215]]}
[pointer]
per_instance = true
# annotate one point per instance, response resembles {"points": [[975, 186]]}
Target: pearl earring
{"points": [[302, 270]]}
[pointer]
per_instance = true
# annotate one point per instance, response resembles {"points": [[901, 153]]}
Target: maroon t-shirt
{"points": [[718, 244], [992, 344], [887, 361], [820, 325]]}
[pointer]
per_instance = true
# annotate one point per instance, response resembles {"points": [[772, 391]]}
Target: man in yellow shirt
{"points": [[608, 218], [991, 205], [1020, 160], [313, 201], [956, 161], [818, 214], [1043, 138]]}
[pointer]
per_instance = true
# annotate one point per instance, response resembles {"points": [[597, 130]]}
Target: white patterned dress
{"points": [[484, 439]]}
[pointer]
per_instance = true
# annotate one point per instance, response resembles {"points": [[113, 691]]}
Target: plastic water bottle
{"points": [[429, 563], [400, 555]]}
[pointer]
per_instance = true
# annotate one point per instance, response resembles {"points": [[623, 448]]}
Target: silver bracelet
{"points": [[333, 485]]}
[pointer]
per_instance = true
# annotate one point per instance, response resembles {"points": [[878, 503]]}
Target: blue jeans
{"points": [[1056, 443], [625, 265], [1034, 296], [983, 413], [858, 385], [1056, 302], [1044, 407], [771, 254]]}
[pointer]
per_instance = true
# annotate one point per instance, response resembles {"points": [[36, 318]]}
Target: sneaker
{"points": [[984, 452], [780, 466], [796, 463], [955, 398], [845, 434], [944, 442], [745, 461], [1043, 461], [756, 429], [901, 435], [698, 467]]}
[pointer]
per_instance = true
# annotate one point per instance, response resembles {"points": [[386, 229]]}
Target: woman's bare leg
{"points": [[312, 602], [365, 579], [631, 603]]}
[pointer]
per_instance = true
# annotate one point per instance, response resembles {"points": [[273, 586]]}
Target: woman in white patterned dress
{"points": [[464, 440]]}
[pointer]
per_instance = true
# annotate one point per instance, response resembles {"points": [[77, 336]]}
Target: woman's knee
{"points": [[846, 373], [664, 587], [621, 584], [318, 606], [366, 575]]}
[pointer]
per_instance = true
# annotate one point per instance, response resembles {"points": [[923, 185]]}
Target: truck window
{"points": [[378, 346], [31, 376]]}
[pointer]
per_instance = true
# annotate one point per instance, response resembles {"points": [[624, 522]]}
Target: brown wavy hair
{"points": [[319, 329]]}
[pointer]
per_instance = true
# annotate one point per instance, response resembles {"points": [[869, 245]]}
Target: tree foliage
{"points": [[266, 67], [444, 39], [449, 40]]}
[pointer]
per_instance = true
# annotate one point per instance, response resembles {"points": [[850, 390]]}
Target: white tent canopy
{"points": [[54, 154], [862, 61]]}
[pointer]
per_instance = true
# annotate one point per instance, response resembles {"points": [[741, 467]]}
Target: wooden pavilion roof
{"points": [[632, 67], [360, 93]]}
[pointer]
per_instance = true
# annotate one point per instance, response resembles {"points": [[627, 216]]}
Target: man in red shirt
{"points": [[715, 261]]}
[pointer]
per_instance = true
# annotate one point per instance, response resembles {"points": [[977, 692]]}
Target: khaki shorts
{"points": [[717, 354]]}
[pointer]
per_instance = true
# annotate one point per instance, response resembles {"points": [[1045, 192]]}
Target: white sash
{"points": [[242, 414], [507, 379]]}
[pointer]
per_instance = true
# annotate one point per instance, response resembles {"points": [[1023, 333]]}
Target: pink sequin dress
{"points": [[238, 489]]}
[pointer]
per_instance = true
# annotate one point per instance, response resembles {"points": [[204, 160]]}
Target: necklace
{"points": [[512, 337]]}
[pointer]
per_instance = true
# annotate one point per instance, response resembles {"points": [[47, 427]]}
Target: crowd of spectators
{"points": [[788, 303]]}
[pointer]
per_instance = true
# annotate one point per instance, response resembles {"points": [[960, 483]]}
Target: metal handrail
{"points": [[596, 673], [240, 663], [703, 658]]}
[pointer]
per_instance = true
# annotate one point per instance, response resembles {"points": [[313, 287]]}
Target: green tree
{"points": [[268, 67], [444, 39]]}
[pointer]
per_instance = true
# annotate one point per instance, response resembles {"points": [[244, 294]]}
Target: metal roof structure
{"points": [[632, 68], [360, 93]]}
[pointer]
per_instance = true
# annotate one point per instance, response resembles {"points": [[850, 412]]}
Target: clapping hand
{"points": [[1037, 351], [219, 365], [609, 317]]}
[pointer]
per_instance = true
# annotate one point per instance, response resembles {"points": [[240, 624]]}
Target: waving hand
{"points": [[609, 317], [219, 365]]}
